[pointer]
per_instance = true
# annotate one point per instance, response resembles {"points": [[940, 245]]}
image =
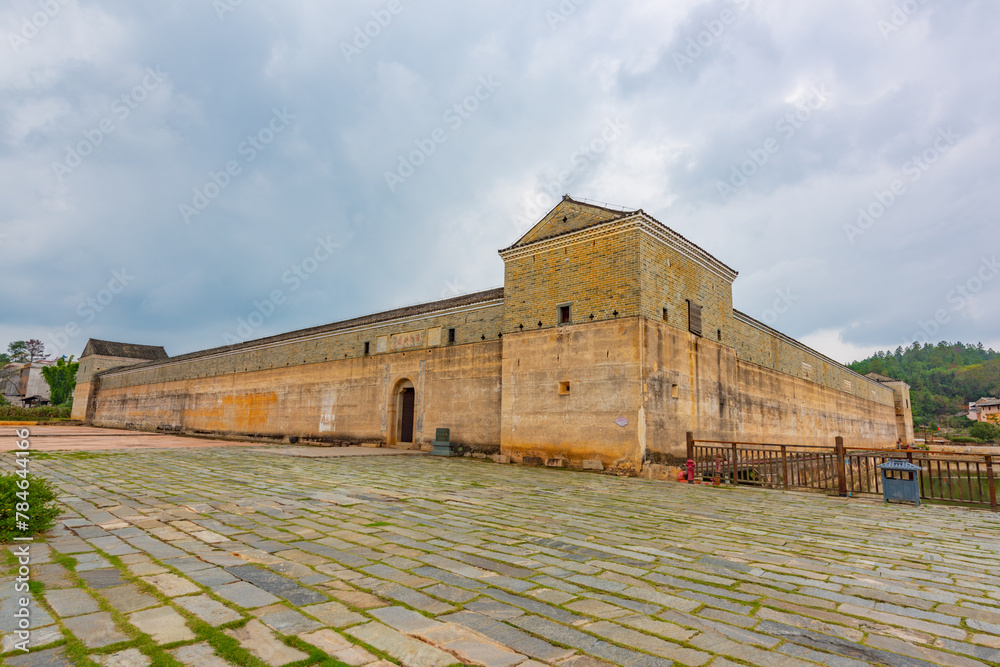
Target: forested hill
{"points": [[943, 378]]}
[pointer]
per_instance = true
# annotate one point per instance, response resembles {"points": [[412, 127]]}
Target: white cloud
{"points": [[686, 131]]}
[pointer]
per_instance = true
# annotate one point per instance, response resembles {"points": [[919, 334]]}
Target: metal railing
{"points": [[967, 479]]}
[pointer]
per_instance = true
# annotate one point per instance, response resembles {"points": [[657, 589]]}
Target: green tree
{"points": [[18, 352], [943, 378], [61, 378], [4, 359], [985, 431]]}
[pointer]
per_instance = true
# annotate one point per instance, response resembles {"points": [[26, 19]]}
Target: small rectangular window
{"points": [[565, 316], [368, 347], [564, 387], [451, 336], [718, 332], [665, 315]]}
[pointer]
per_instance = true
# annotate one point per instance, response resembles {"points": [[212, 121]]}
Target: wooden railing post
{"points": [[736, 459], [992, 483], [784, 464], [690, 444], [841, 469]]}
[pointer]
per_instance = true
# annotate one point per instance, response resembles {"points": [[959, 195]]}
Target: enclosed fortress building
{"points": [[611, 338]]}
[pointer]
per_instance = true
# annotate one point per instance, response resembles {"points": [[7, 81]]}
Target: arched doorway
{"points": [[402, 408]]}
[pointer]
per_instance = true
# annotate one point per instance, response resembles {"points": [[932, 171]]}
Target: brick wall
{"points": [[669, 279], [597, 275], [472, 325], [758, 344]]}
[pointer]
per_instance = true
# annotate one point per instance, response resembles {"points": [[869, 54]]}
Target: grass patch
{"points": [[29, 496]]}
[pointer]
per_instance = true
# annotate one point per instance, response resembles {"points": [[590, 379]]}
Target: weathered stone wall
{"points": [[904, 411], [457, 387], [698, 385], [90, 366], [543, 417], [664, 381]]}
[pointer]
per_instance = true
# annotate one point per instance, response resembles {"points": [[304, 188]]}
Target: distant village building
{"points": [[985, 409], [23, 383], [611, 338]]}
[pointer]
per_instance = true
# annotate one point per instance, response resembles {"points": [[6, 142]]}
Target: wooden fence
{"points": [[966, 479]]}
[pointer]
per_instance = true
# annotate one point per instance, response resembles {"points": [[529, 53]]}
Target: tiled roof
{"points": [[880, 378], [107, 348]]}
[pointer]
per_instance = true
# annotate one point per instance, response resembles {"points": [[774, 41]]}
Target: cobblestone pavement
{"points": [[240, 557]]}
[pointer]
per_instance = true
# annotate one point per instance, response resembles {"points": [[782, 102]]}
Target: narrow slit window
{"points": [[565, 315], [694, 318], [368, 348], [451, 336], [665, 315]]}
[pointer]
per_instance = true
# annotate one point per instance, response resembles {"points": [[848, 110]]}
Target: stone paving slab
{"points": [[199, 655], [53, 657], [128, 598], [211, 611], [95, 630], [440, 561], [131, 657], [163, 624], [256, 638], [71, 602]]}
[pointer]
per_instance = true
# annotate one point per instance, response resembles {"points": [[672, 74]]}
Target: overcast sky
{"points": [[168, 168]]}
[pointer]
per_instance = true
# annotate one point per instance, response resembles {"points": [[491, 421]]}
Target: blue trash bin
{"points": [[901, 481]]}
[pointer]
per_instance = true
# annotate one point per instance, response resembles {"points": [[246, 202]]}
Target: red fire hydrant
{"points": [[690, 471]]}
